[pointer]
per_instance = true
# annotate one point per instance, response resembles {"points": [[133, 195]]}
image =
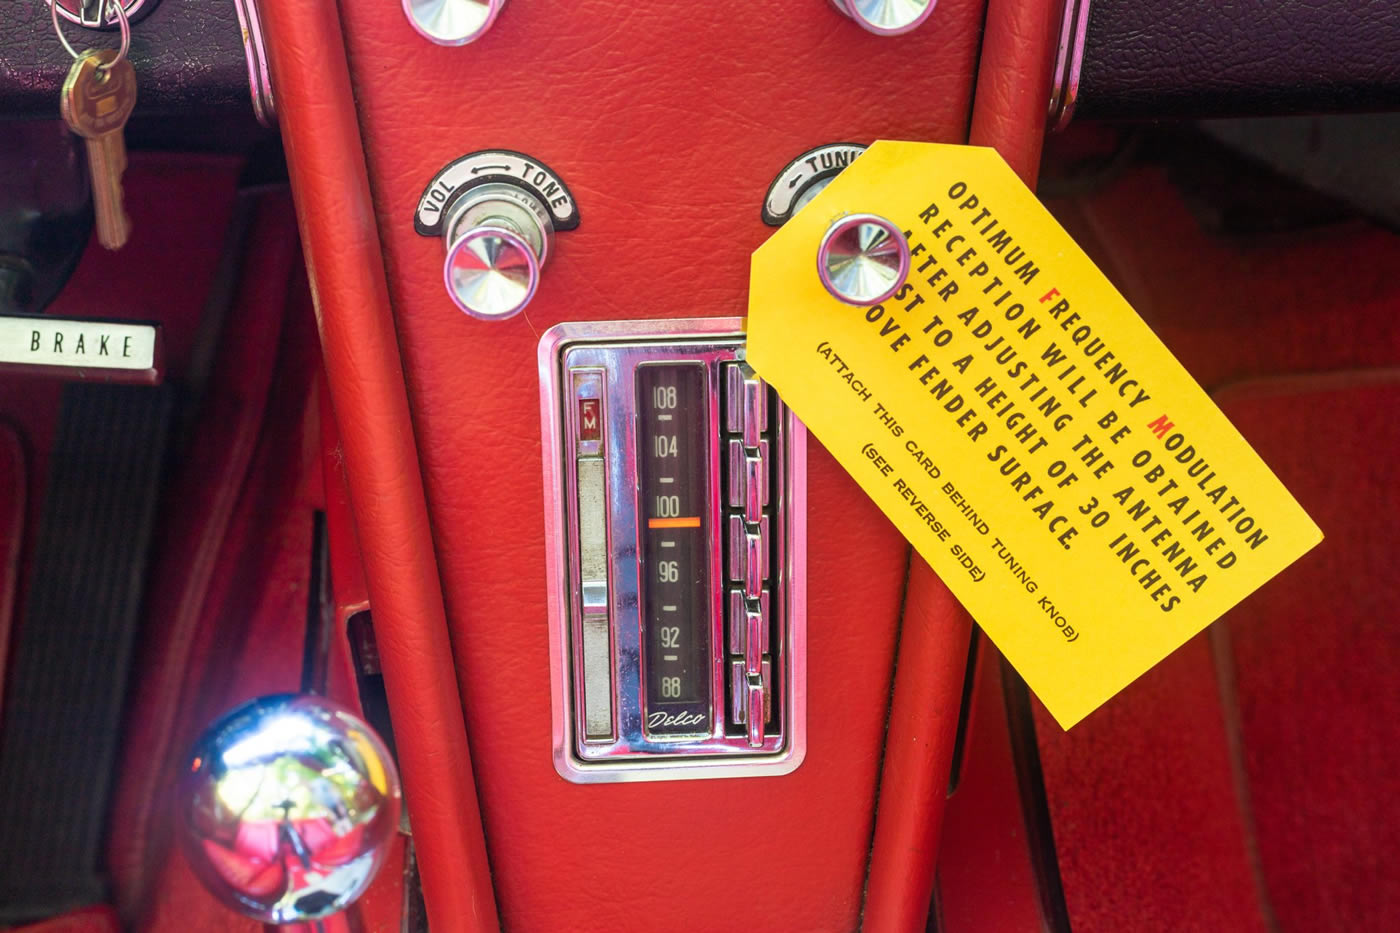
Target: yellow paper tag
{"points": [[1019, 423]]}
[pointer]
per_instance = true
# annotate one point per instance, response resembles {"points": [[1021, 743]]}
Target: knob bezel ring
{"points": [[518, 242], [500, 204], [845, 223]]}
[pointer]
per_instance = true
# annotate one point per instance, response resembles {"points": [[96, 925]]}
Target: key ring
{"points": [[122, 21]]}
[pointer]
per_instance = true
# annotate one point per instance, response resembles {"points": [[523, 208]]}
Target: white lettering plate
{"points": [[78, 344]]}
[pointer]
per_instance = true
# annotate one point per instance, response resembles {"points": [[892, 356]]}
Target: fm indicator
{"points": [[673, 467]]}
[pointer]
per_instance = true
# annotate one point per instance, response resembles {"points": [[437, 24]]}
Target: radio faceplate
{"points": [[675, 486]]}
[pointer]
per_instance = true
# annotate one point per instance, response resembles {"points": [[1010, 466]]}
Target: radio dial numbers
{"points": [[676, 618]]}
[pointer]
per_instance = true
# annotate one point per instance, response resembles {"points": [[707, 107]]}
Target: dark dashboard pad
{"points": [[1203, 58], [188, 56]]}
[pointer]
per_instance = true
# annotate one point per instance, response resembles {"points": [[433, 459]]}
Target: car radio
{"points": [[675, 481]]}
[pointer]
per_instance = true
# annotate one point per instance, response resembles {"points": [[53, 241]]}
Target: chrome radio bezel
{"points": [[630, 755]]}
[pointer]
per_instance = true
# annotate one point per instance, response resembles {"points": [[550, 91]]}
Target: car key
{"points": [[98, 97]]}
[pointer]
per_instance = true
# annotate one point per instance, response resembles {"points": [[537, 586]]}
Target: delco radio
{"points": [[675, 483]]}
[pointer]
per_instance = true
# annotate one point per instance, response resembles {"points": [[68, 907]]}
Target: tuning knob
{"points": [[288, 807], [452, 22], [863, 259], [498, 237], [886, 17]]}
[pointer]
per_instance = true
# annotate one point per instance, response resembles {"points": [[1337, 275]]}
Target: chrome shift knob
{"points": [[498, 237], [287, 807], [863, 259], [886, 17]]}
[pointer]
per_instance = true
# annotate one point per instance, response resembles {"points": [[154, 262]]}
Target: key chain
{"points": [[96, 101], [123, 23]]}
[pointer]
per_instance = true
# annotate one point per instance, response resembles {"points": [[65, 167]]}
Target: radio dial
{"points": [[676, 485]]}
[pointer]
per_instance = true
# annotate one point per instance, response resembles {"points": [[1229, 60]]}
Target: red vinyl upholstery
{"points": [[364, 373]]}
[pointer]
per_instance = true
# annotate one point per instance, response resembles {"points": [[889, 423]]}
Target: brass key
{"points": [[98, 97]]}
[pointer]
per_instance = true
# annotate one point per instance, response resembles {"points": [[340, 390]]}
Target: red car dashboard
{"points": [[440, 465]]}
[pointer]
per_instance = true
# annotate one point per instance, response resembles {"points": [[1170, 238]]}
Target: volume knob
{"points": [[498, 237], [886, 17]]}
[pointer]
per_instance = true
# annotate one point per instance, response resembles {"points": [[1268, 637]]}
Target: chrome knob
{"points": [[498, 237], [452, 22], [288, 807], [886, 17], [863, 259]]}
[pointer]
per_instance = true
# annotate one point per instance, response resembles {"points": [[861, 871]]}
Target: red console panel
{"points": [[667, 121]]}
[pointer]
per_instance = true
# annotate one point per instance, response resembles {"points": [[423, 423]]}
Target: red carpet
{"points": [[1149, 803], [1316, 655]]}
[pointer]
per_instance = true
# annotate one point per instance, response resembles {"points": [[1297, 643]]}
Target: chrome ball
{"points": [[288, 807]]}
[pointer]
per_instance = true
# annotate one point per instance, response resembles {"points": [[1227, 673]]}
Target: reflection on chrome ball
{"points": [[288, 806]]}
